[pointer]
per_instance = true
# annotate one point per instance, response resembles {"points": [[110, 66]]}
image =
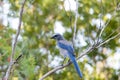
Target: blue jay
{"points": [[66, 49]]}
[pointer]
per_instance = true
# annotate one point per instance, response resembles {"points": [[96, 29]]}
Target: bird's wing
{"points": [[67, 46]]}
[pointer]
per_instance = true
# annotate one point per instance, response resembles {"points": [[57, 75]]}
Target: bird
{"points": [[66, 50]]}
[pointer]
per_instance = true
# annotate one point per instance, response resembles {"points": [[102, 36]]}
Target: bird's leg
{"points": [[69, 60], [63, 61]]}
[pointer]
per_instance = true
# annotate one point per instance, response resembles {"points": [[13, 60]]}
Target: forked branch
{"points": [[12, 62]]}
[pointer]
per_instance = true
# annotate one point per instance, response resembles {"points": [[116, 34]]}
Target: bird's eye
{"points": [[55, 36]]}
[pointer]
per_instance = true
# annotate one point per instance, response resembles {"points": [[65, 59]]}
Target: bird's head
{"points": [[57, 37]]}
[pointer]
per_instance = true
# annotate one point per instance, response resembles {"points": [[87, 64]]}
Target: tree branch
{"points": [[14, 44], [102, 28], [97, 46], [90, 49], [106, 41], [75, 23]]}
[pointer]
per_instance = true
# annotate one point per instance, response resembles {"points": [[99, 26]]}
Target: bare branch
{"points": [[100, 27], [97, 46], [14, 44], [75, 23], [106, 41], [104, 27], [84, 53], [55, 69], [118, 6]]}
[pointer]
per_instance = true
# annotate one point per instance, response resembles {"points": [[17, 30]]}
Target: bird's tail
{"points": [[76, 65]]}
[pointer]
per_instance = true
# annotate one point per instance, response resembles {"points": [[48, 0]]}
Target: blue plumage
{"points": [[66, 49]]}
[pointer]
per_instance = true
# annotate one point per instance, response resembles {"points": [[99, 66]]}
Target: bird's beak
{"points": [[52, 37]]}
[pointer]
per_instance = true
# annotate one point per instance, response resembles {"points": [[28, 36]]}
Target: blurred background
{"points": [[41, 19]]}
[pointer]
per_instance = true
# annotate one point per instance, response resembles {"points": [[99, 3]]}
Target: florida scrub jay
{"points": [[67, 50]]}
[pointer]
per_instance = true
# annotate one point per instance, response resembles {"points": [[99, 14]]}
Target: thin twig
{"points": [[97, 46], [112, 33], [75, 23], [104, 27], [106, 41], [84, 53], [117, 5], [14, 44], [18, 58], [106, 24], [100, 27]]}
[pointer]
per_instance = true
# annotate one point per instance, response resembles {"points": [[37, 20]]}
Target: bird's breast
{"points": [[63, 52]]}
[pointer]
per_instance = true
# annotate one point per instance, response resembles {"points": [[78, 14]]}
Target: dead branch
{"points": [[14, 44], [75, 23]]}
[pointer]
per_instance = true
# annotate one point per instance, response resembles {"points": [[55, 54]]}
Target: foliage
{"points": [[39, 50]]}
